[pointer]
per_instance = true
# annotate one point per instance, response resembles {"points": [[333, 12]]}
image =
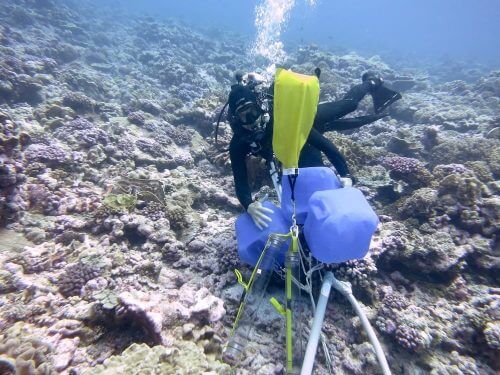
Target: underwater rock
{"points": [[403, 146], [25, 355], [63, 52], [156, 313], [177, 356], [148, 106], [16, 86], [460, 150], [434, 255], [421, 204]]}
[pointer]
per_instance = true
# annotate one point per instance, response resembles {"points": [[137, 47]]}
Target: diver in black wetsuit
{"points": [[251, 120], [329, 114]]}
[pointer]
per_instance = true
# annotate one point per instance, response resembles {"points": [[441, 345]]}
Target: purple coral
{"points": [[402, 165], [393, 320], [163, 139], [154, 211], [78, 101], [394, 301], [181, 135], [453, 168], [42, 199], [11, 203], [8, 175], [442, 170], [52, 155], [409, 170], [37, 195], [75, 276], [358, 271], [393, 243], [410, 338], [126, 147], [83, 131], [137, 118], [151, 147], [152, 126]]}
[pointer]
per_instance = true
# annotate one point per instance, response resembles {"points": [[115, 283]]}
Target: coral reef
{"points": [[409, 170], [25, 357], [110, 176], [181, 356]]}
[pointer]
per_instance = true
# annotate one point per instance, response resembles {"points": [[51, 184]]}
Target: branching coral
{"points": [[82, 132], [53, 155], [76, 275], [409, 170], [399, 319], [79, 102]]}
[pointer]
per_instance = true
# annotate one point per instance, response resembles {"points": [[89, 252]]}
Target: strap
{"points": [[217, 128], [292, 179]]}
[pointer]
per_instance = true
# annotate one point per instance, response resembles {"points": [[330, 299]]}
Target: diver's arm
{"points": [[351, 123], [332, 153], [237, 153]]}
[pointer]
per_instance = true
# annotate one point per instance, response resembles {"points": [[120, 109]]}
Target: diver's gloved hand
{"points": [[259, 214], [347, 181]]}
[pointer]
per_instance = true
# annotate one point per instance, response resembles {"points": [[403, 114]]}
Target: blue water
{"points": [[411, 29]]}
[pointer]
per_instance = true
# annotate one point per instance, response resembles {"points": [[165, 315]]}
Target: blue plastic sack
{"points": [[309, 181], [340, 225], [251, 240]]}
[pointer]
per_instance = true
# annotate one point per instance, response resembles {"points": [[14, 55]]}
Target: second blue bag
{"points": [[339, 225]]}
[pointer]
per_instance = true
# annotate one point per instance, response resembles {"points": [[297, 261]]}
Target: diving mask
{"points": [[248, 113]]}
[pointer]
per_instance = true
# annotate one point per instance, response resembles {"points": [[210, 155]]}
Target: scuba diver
{"points": [[329, 114], [250, 117]]}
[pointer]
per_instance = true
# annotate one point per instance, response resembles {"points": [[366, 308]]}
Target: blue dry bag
{"points": [[309, 181], [339, 225], [251, 240]]}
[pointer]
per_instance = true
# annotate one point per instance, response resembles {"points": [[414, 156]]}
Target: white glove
{"points": [[346, 181], [259, 215]]}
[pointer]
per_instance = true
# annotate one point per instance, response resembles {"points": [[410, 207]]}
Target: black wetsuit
{"points": [[244, 143], [329, 114], [328, 117]]}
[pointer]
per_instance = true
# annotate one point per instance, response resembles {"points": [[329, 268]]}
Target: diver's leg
{"points": [[310, 157], [358, 92], [331, 111]]}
